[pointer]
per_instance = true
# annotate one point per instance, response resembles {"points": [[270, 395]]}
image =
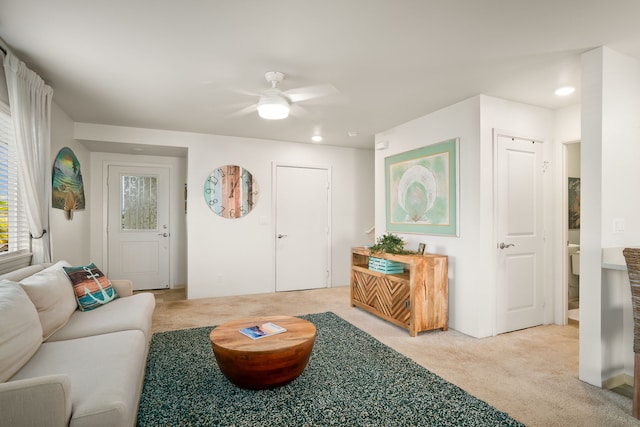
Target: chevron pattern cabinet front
{"points": [[389, 297], [416, 300]]}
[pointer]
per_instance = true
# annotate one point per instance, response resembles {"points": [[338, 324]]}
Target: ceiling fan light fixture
{"points": [[273, 107]]}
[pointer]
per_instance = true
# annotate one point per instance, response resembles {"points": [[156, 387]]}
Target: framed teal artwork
{"points": [[422, 190]]}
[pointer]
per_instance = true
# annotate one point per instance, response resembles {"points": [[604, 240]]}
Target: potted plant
{"points": [[391, 244]]}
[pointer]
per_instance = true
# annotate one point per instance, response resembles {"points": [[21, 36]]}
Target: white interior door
{"points": [[302, 228], [520, 229], [138, 226]]}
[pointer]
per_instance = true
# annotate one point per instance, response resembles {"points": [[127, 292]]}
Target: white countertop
{"points": [[613, 259]]}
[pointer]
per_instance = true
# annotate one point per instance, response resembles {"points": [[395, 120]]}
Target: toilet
{"points": [[573, 251], [575, 263], [573, 282]]}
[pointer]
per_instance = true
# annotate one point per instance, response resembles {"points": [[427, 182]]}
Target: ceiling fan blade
{"points": [[244, 111], [244, 92], [300, 112], [311, 92]]}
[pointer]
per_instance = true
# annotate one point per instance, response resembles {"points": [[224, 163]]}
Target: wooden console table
{"points": [[416, 299]]}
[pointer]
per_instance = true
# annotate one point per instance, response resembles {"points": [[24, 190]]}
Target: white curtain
{"points": [[30, 103]]}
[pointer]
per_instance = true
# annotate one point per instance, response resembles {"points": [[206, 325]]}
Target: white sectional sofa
{"points": [[61, 366]]}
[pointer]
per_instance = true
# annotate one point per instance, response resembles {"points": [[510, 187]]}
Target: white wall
{"points": [[461, 120], [567, 124], [70, 238], [472, 255], [610, 132], [573, 160], [233, 257]]}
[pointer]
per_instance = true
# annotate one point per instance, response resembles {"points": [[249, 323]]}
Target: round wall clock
{"points": [[231, 191]]}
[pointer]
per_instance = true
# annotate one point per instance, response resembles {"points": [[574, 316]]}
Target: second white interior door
{"points": [[520, 226], [302, 228]]}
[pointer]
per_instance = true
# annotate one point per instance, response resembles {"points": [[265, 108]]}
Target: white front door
{"points": [[520, 234], [302, 227], [138, 226]]}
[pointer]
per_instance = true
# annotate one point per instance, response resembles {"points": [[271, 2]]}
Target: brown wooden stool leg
{"points": [[635, 411]]}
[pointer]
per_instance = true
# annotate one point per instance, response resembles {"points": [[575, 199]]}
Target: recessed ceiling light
{"points": [[316, 138], [565, 90]]}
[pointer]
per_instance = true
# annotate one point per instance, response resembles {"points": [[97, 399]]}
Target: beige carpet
{"points": [[531, 374]]}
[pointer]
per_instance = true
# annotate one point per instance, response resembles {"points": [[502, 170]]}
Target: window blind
{"points": [[14, 230]]}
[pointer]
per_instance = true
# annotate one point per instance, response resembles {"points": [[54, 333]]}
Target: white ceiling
{"points": [[189, 65]]}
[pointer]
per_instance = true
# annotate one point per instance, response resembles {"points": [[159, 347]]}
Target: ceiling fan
{"points": [[275, 104]]}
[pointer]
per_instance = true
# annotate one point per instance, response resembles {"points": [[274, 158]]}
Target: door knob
{"points": [[280, 236], [503, 246], [163, 234]]}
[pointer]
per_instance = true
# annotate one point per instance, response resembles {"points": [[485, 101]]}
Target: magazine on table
{"points": [[261, 331]]}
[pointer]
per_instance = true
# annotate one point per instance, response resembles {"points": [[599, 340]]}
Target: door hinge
{"points": [[545, 166]]}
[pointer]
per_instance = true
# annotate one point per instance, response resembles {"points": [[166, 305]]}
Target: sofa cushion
{"points": [[20, 329], [52, 294], [21, 273], [91, 286], [106, 373], [132, 312]]}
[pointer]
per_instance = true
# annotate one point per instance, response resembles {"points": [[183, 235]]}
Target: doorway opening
{"points": [[571, 207]]}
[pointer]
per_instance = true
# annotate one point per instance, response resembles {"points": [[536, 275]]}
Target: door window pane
{"points": [[139, 208]]}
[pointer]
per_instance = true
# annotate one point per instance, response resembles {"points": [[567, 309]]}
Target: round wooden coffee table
{"points": [[266, 362]]}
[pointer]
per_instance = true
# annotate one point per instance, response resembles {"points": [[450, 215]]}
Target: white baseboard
{"points": [[617, 381]]}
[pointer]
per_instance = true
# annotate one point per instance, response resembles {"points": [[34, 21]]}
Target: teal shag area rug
{"points": [[352, 379]]}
